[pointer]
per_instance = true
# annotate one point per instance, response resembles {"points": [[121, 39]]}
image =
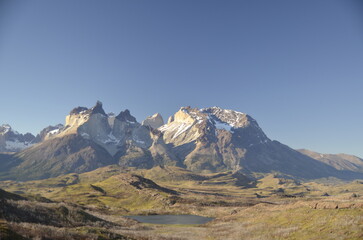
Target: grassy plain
{"points": [[272, 207]]}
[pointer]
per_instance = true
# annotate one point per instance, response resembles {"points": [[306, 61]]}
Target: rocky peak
{"points": [[82, 115], [129, 132], [111, 114], [98, 109], [5, 128], [185, 126], [228, 117], [125, 116], [83, 110], [29, 138], [78, 110], [48, 132], [8, 132], [188, 115], [155, 121]]}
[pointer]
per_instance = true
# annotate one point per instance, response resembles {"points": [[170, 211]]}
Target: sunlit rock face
{"points": [[155, 121]]}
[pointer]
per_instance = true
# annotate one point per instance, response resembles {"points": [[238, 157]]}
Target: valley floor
{"points": [[93, 205]]}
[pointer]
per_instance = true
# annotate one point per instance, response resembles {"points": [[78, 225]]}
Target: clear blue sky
{"points": [[295, 66]]}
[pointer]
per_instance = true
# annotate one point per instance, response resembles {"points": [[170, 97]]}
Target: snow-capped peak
{"points": [[229, 117], [12, 141], [225, 119], [5, 128], [155, 121], [218, 109]]}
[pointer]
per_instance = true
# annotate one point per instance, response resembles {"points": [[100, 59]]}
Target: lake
{"points": [[171, 219]]}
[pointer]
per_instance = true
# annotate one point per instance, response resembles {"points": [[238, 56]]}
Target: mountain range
{"points": [[201, 140]]}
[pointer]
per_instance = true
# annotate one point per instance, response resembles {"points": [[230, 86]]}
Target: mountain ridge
{"points": [[201, 140]]}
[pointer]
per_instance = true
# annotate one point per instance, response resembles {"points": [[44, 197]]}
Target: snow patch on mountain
{"points": [[111, 139], [182, 128], [55, 131], [223, 126], [85, 135]]}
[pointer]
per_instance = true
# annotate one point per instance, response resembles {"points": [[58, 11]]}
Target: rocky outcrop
{"points": [[155, 121], [49, 132], [125, 116], [335, 205], [140, 145]]}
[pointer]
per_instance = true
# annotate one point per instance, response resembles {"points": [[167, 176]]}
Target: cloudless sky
{"points": [[295, 66]]}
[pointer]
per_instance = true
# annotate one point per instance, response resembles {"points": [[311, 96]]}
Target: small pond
{"points": [[172, 219]]}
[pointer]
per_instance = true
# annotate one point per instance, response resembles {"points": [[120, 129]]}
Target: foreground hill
{"points": [[21, 218], [104, 188], [208, 140]]}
